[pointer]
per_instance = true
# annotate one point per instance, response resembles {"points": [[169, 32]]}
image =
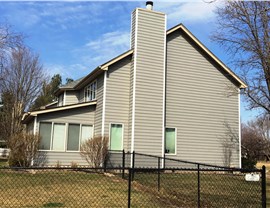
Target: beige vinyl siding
{"points": [[117, 97], [198, 103], [62, 158], [84, 115], [99, 106], [71, 97], [149, 60]]}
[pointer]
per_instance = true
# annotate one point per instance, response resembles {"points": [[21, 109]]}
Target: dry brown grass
{"points": [[64, 189]]}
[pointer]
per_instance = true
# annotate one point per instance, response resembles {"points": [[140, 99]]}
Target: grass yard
{"points": [[3, 162], [66, 188], [217, 190]]}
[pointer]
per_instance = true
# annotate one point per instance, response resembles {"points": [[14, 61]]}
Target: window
{"points": [[90, 91], [63, 137], [116, 137], [45, 130], [170, 141], [73, 137], [87, 132]]}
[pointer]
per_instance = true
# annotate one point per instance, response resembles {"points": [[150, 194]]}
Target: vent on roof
{"points": [[149, 5]]}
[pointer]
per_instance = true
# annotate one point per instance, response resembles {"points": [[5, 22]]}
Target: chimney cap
{"points": [[149, 2]]}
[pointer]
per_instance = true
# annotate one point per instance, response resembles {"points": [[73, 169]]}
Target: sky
{"points": [[74, 37]]}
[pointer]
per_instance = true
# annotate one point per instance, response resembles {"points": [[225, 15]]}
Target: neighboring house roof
{"points": [[27, 116], [71, 85]]}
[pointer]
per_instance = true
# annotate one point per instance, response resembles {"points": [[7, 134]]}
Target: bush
{"points": [[248, 163], [23, 149], [95, 150]]}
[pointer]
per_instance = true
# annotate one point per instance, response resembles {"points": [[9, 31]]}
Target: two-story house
{"points": [[167, 95]]}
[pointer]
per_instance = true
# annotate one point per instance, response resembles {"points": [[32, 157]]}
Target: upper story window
{"points": [[90, 91]]}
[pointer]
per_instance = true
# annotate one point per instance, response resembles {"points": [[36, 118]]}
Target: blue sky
{"points": [[72, 38]]}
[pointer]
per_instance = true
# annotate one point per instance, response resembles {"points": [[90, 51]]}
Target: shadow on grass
{"points": [[53, 204]]}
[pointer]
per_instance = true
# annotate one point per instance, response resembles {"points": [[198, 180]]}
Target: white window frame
{"points": [[87, 92], [66, 135], [175, 130], [122, 147]]}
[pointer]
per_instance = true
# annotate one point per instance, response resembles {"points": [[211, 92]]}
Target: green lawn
{"points": [[66, 188]]}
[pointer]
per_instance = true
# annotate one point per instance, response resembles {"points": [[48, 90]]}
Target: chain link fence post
{"points": [[130, 173], [199, 187], [263, 187]]}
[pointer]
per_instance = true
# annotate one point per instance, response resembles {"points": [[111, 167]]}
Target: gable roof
{"points": [[77, 84], [208, 52]]}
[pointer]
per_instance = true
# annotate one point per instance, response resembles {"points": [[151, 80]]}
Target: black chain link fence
{"points": [[129, 187]]}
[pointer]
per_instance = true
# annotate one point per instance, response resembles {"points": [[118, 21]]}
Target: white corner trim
{"points": [[104, 102], [239, 122], [64, 99], [164, 92], [134, 84], [35, 126]]}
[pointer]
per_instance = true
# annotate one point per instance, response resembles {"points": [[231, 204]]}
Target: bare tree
{"points": [[8, 40], [23, 149], [95, 150], [244, 31], [255, 142], [23, 75]]}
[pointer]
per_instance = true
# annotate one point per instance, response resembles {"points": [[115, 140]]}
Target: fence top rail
{"points": [[132, 169], [61, 168], [186, 162]]}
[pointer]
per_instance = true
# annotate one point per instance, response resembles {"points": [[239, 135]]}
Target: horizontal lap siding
{"points": [[71, 97], [117, 97], [99, 106], [60, 158], [76, 115], [197, 103], [149, 82]]}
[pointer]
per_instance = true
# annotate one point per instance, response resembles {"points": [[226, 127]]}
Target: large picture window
{"points": [[90, 91], [116, 137], [170, 141], [62, 136]]}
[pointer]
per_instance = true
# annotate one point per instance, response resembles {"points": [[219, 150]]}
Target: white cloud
{"points": [[104, 48], [74, 71], [192, 11]]}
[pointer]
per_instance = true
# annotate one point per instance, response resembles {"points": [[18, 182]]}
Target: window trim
{"points": [[175, 143], [122, 143], [85, 98], [66, 135]]}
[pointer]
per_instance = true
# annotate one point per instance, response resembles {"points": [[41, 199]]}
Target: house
{"points": [[167, 95]]}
